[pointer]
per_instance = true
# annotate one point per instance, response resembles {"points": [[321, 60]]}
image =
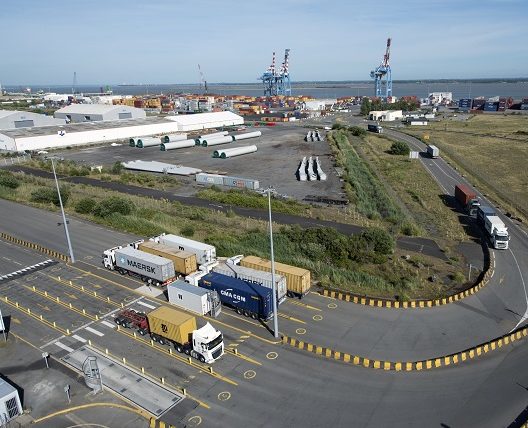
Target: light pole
{"points": [[62, 211], [274, 285]]}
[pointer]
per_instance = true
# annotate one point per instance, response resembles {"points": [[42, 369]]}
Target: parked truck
{"points": [[204, 253], [167, 325], [497, 232], [298, 280], [194, 299], [184, 262], [251, 300], [232, 268], [375, 128], [484, 211], [433, 151], [467, 198], [149, 268]]}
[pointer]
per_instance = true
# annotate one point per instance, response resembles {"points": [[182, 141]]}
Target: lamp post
{"points": [[62, 211], [274, 285]]}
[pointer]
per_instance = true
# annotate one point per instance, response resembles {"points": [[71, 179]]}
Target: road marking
{"points": [[108, 324], [250, 374], [317, 317], [79, 338], [94, 331], [63, 346], [146, 305], [287, 317], [304, 305], [332, 306], [525, 316], [224, 396], [271, 355], [300, 331], [194, 421]]}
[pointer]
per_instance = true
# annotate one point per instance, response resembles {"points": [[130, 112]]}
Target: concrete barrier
{"points": [[52, 253]]}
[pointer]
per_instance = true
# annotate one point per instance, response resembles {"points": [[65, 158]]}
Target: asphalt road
{"points": [[420, 245]]}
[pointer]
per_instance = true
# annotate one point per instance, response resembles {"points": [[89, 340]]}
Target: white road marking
{"points": [[63, 346], [94, 331], [108, 324], [525, 316], [79, 338], [146, 305]]}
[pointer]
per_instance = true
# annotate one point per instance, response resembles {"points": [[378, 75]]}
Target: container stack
{"points": [[524, 104], [464, 104], [478, 103], [491, 106]]}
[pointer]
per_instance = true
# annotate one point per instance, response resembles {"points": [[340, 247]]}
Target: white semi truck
{"points": [[497, 232]]}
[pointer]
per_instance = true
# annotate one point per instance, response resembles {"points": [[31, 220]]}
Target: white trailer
{"points": [[204, 253], [497, 232], [194, 299]]}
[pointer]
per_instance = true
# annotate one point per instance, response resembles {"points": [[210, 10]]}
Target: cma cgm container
{"points": [[298, 280], [246, 298], [184, 262], [491, 106], [465, 103]]}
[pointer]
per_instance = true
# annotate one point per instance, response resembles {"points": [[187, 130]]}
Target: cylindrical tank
{"points": [[173, 137], [176, 145], [201, 138], [235, 151], [217, 140], [147, 142], [132, 142], [247, 135]]}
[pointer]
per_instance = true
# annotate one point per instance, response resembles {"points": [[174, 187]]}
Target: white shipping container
{"points": [[191, 298], [204, 253], [255, 276], [246, 183], [210, 178]]}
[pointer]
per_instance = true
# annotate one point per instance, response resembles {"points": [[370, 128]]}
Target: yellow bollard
{"points": [[89, 342], [71, 306], [95, 293], [41, 318], [135, 335], [71, 283], [46, 293], [16, 304], [163, 381], [58, 300], [67, 331], [190, 360], [58, 278], [96, 317], [82, 287], [54, 324], [34, 289], [84, 311], [211, 370], [108, 299], [142, 370], [124, 360], [170, 351], [29, 311], [184, 391], [235, 351], [106, 351]]}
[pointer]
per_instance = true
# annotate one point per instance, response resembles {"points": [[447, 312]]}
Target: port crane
{"points": [[382, 75], [277, 82]]}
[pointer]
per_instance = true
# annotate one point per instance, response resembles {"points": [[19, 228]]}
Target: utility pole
{"points": [[274, 285], [62, 211]]}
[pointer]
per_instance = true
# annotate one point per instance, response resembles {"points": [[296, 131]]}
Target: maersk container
{"points": [[298, 281], [246, 183], [255, 276], [433, 151], [145, 264], [465, 102], [204, 252], [184, 262], [244, 297], [205, 178]]}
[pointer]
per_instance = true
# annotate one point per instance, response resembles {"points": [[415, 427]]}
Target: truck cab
{"points": [[497, 232], [207, 342], [109, 260]]}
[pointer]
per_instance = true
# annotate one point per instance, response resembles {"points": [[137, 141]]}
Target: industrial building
{"points": [[10, 406], [13, 119], [386, 115], [79, 113], [320, 104], [74, 134]]}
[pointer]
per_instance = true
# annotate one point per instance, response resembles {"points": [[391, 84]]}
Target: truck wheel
{"points": [[122, 271], [144, 279], [246, 313], [117, 321], [161, 341], [187, 351], [141, 332], [201, 358], [254, 316], [239, 311], [289, 294], [179, 348]]}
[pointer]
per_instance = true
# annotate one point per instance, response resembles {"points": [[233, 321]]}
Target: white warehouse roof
{"points": [[88, 108], [15, 119], [194, 122]]}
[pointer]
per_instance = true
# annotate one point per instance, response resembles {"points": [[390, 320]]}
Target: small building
{"points": [[444, 98], [422, 121], [14, 119], [10, 405], [79, 113], [200, 121], [321, 104], [385, 115]]}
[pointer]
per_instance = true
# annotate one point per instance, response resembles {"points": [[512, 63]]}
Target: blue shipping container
{"points": [[491, 106], [239, 294]]}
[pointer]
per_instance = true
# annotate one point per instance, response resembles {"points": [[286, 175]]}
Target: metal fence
{"points": [[14, 160]]}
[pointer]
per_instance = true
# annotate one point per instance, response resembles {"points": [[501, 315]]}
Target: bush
{"points": [[338, 126], [357, 131], [187, 231], [9, 180], [117, 167], [409, 229], [400, 148], [85, 205], [378, 240], [114, 204], [48, 195]]}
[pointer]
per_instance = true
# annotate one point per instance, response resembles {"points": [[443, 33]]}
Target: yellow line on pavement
{"points": [[291, 318], [243, 357], [304, 305], [88, 406]]}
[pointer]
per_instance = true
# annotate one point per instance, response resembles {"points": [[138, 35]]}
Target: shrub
{"points": [[85, 205], [9, 180], [114, 204], [48, 195], [400, 148], [338, 126], [117, 167], [187, 231], [458, 277], [357, 131], [378, 240], [409, 229]]}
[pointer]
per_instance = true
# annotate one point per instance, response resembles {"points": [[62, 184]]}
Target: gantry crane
{"points": [[382, 75], [277, 82]]}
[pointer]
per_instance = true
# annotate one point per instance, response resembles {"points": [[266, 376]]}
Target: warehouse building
{"points": [[13, 119], [200, 121], [10, 405], [385, 115], [79, 113], [75, 134]]}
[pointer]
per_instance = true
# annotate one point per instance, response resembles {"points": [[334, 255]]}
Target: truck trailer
{"points": [[255, 276], [149, 268], [251, 300], [167, 325], [433, 151], [467, 198], [184, 262], [204, 253], [194, 299], [298, 280], [497, 232], [484, 211]]}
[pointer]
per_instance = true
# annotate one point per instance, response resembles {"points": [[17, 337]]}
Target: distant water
{"points": [[517, 90]]}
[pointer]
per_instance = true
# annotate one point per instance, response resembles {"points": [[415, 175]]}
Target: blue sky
{"points": [[162, 41]]}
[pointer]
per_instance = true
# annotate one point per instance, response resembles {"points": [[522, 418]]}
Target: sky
{"points": [[162, 41]]}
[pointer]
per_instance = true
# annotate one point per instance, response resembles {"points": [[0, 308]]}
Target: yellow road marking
{"points": [[304, 305], [332, 306], [291, 318], [317, 317], [194, 421], [243, 357], [224, 396], [271, 355], [46, 308], [250, 374], [16, 320], [88, 406], [300, 331]]}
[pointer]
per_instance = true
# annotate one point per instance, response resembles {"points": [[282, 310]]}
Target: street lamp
{"points": [[62, 211], [274, 285]]}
